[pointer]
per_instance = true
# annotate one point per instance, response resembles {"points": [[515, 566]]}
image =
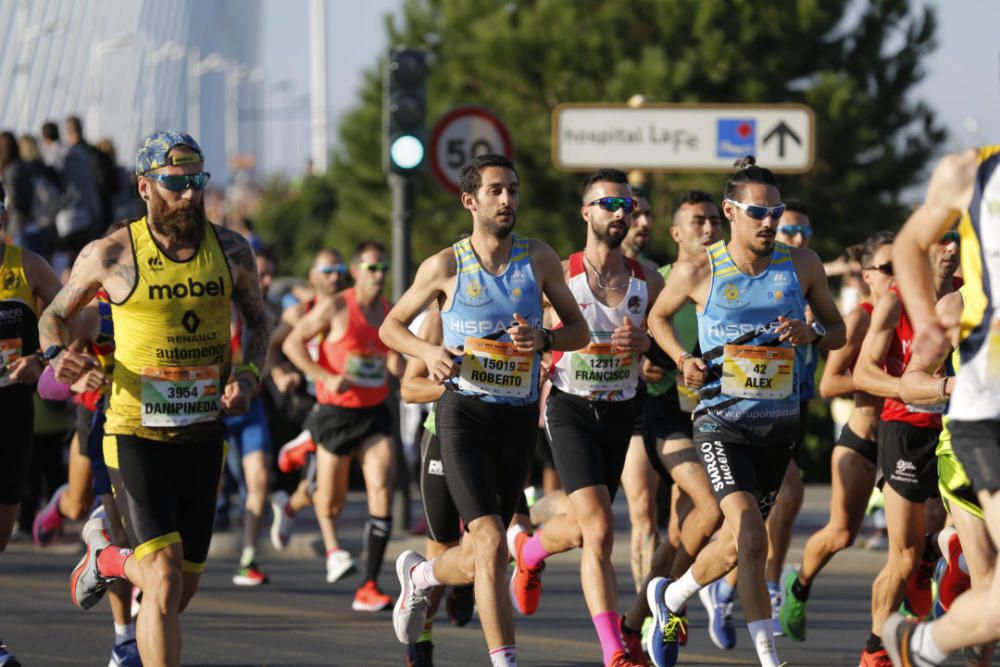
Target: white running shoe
{"points": [[281, 523], [338, 564], [410, 612]]}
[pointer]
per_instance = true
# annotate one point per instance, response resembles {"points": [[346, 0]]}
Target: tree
{"points": [[854, 66]]}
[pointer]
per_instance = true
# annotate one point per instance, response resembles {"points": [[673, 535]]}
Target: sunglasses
{"points": [[759, 212], [327, 269], [792, 230], [950, 237], [881, 268], [181, 182], [614, 203], [374, 267]]}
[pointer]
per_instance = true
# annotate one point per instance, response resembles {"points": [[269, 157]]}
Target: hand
{"points": [[796, 332], [524, 336], [26, 370], [92, 380], [630, 337], [694, 371], [441, 363], [650, 372], [338, 384], [68, 366], [931, 342], [286, 381], [236, 396]]}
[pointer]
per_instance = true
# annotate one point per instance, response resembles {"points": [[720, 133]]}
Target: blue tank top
{"points": [[482, 309], [753, 381]]}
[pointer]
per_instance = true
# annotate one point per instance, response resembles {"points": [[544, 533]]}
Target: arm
{"points": [[922, 382], [574, 332], [816, 289], [868, 373], [416, 387], [283, 374], [44, 285], [682, 282], [837, 379], [316, 321]]}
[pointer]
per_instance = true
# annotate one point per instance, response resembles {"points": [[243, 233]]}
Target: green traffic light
{"points": [[406, 151]]}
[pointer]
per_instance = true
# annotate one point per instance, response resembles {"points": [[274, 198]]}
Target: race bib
{"points": [[752, 371], [179, 395], [492, 367], [935, 409], [365, 370], [10, 351], [599, 367], [687, 398]]}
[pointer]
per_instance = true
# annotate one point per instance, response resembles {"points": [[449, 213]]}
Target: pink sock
{"points": [[289, 512], [532, 552], [606, 624], [111, 561]]}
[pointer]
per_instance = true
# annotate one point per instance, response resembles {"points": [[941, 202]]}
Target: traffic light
{"points": [[405, 108]]}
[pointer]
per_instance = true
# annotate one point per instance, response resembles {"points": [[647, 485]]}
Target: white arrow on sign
{"points": [[462, 134], [683, 137]]}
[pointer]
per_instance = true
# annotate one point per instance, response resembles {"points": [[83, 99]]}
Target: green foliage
{"points": [[296, 221]]}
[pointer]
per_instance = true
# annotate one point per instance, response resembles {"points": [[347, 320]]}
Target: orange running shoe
{"points": [[919, 597], [955, 580], [623, 659], [879, 658], [293, 454], [525, 582], [633, 643], [370, 598]]}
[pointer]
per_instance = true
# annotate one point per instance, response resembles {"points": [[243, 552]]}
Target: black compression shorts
{"points": [[341, 430], [84, 420], [977, 445], [442, 515], [486, 450], [17, 414], [166, 493], [854, 442], [907, 459]]}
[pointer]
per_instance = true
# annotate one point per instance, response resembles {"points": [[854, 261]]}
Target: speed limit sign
{"points": [[462, 134]]}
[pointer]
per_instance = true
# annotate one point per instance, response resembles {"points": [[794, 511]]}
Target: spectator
{"points": [[18, 186], [53, 150], [81, 182], [125, 201]]}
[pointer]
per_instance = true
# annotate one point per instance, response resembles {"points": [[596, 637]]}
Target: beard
{"points": [[495, 227], [763, 250], [610, 238], [183, 221]]}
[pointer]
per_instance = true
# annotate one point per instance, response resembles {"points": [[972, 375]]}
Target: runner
{"points": [[351, 417], [171, 278], [907, 438], [752, 300], [964, 184], [25, 281], [852, 464], [491, 287]]}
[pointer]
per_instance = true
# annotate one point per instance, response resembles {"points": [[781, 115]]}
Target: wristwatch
{"points": [[51, 352], [819, 330], [248, 367], [549, 338]]}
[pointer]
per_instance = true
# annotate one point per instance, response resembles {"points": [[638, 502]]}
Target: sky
{"points": [[962, 83]]}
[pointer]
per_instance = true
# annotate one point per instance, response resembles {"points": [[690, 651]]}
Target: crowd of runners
{"points": [[185, 373]]}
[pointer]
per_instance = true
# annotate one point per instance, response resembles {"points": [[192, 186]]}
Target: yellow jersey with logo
{"points": [[18, 316], [172, 354], [977, 389]]}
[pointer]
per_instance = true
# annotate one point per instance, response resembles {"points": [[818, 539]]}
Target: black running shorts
{"points": [[734, 461], [442, 515], [977, 445], [166, 493], [664, 418], [854, 442], [17, 414], [84, 420], [589, 439], [907, 460], [486, 450], [639, 411], [341, 430]]}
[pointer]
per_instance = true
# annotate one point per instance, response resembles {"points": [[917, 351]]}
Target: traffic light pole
{"points": [[402, 220]]}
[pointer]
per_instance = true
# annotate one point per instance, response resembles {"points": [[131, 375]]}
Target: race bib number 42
{"points": [[492, 367], [10, 351], [753, 371], [179, 396]]}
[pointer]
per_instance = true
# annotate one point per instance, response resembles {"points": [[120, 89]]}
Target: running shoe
{"points": [[136, 602], [410, 611], [954, 580], [633, 642], [293, 454], [87, 586], [919, 596], [420, 654], [7, 659], [793, 610], [662, 643], [774, 593], [682, 633], [338, 563], [48, 522], [281, 522], [249, 575], [720, 616], [623, 659], [896, 633], [460, 604], [125, 654], [525, 582], [877, 659], [369, 598]]}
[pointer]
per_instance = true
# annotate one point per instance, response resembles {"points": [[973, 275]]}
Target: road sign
{"points": [[682, 137], [462, 134]]}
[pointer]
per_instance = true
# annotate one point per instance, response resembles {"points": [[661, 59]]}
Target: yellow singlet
{"points": [[172, 352]]}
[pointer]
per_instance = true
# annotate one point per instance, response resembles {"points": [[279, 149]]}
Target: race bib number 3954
{"points": [[493, 367], [754, 371], [179, 396]]}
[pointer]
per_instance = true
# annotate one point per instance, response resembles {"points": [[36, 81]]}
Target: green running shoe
{"points": [[793, 610]]}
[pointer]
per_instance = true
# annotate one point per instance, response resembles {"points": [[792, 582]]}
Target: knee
{"points": [[711, 516], [491, 546], [162, 584], [598, 535], [729, 557], [752, 545], [792, 494], [841, 540], [904, 561]]}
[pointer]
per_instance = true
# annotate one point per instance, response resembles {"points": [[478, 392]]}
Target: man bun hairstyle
{"points": [[749, 174], [471, 177]]}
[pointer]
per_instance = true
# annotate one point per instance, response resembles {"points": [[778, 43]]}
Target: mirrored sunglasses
{"points": [[374, 267], [881, 268], [327, 269], [950, 237], [181, 182], [614, 203], [792, 230], [759, 212]]}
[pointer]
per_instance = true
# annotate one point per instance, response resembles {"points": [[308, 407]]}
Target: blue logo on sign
{"points": [[737, 137]]}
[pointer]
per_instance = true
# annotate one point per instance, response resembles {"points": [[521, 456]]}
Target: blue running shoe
{"points": [[720, 616], [125, 654], [661, 644]]}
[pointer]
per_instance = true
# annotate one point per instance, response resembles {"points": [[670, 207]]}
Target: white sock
{"points": [[248, 555], [423, 575], [762, 634], [505, 656], [923, 646], [680, 591], [124, 633]]}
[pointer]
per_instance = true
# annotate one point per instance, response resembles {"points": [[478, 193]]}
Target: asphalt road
{"points": [[299, 619]]}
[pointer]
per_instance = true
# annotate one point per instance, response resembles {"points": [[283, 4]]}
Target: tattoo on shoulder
{"points": [[118, 264], [237, 250]]}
